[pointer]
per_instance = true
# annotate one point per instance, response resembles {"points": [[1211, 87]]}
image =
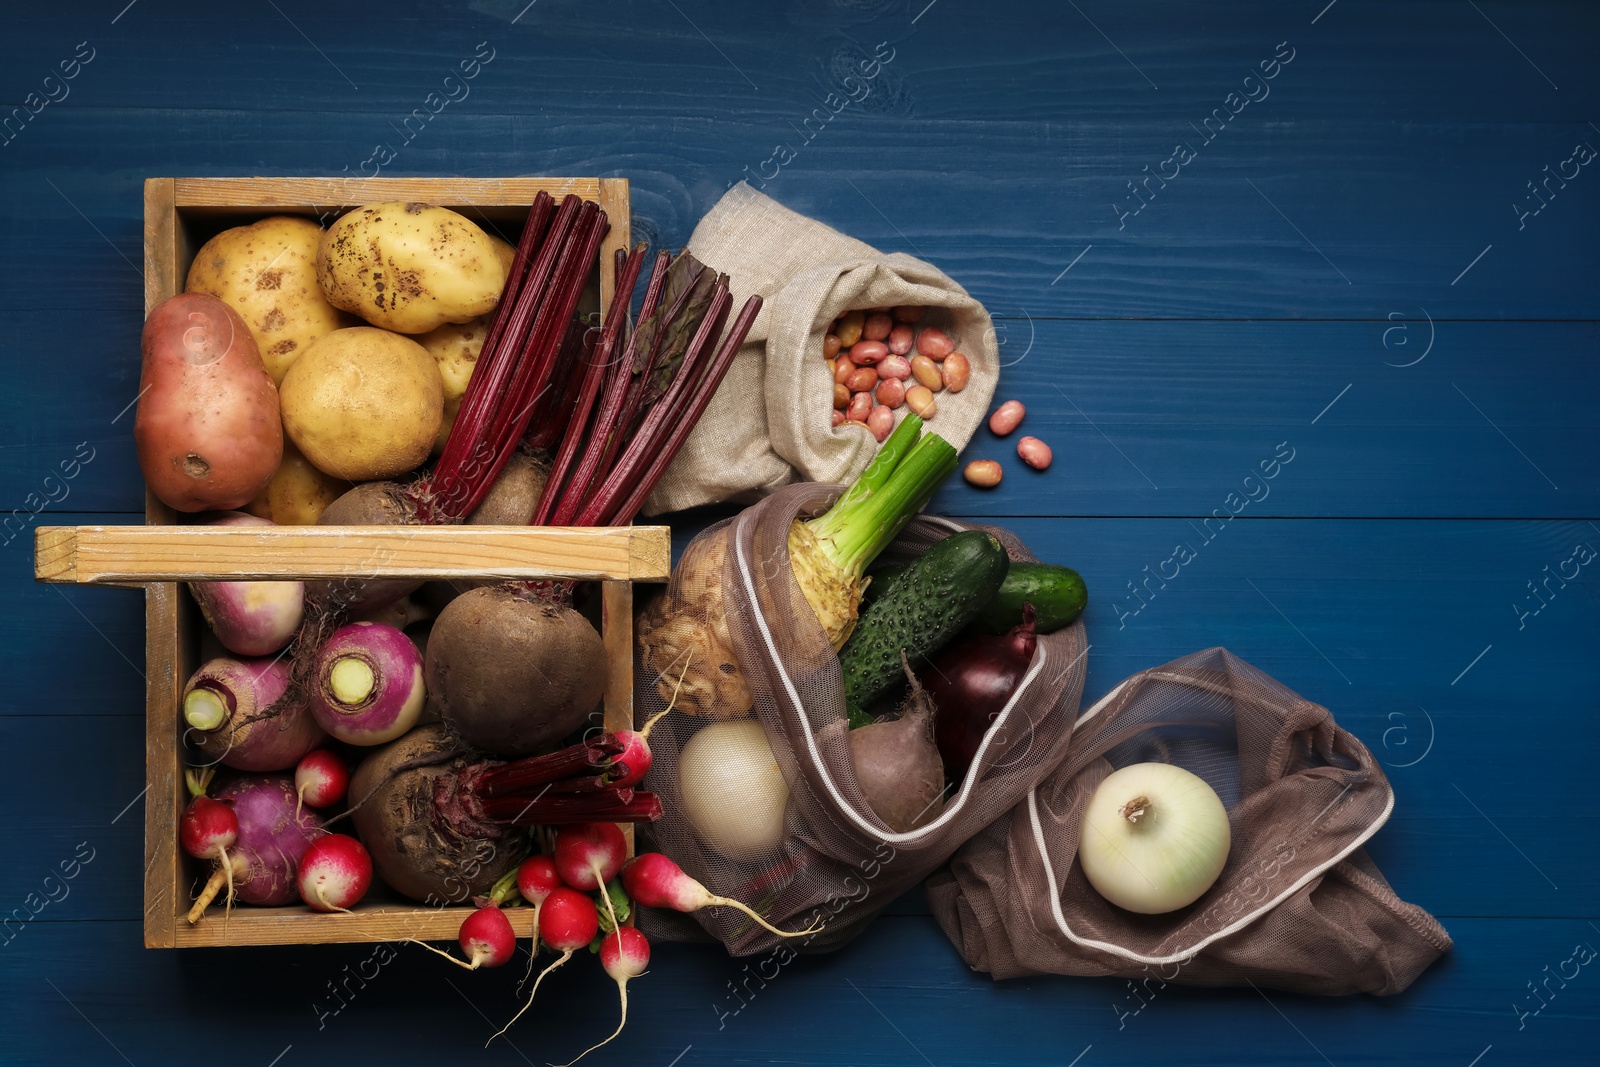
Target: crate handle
{"points": [[117, 555]]}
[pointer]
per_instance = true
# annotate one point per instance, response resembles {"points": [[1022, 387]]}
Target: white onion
{"points": [[732, 789], [1155, 837]]}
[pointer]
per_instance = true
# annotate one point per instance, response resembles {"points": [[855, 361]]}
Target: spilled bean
{"points": [[956, 371], [984, 473], [1007, 417], [926, 372], [1034, 452], [919, 398]]}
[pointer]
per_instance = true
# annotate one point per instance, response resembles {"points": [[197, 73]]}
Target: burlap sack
{"points": [[770, 422], [734, 606], [1298, 906]]}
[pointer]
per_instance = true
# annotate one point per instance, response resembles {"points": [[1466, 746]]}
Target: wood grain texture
{"points": [[1381, 177], [119, 554]]}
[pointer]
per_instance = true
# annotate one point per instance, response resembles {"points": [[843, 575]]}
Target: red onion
{"points": [[970, 682]]}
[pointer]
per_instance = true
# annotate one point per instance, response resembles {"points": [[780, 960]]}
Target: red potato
{"points": [[208, 430]]}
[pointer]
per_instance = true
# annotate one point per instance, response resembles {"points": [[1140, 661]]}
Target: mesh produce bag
{"points": [[755, 647], [1298, 905], [770, 422]]}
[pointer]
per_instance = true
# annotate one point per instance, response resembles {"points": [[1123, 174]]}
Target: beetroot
{"points": [[897, 765]]}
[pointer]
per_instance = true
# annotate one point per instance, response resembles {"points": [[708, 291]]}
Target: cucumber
{"points": [[1057, 594], [919, 609]]}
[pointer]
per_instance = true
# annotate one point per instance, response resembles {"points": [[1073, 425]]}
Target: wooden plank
{"points": [[613, 200], [616, 631], [103, 554], [1195, 405], [311, 195], [300, 925]]}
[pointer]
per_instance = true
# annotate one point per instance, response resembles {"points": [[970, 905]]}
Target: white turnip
{"points": [[250, 618]]}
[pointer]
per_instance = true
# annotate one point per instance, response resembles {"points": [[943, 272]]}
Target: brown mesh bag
{"points": [[1298, 905], [734, 608]]}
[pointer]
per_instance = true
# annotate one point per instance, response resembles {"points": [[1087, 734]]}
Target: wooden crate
{"points": [[180, 215]]}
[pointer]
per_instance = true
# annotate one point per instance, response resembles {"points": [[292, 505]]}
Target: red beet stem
{"points": [[497, 363], [679, 427], [526, 775], [561, 509], [554, 314], [594, 375], [611, 805]]}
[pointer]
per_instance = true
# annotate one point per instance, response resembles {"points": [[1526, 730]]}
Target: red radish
{"points": [[568, 921], [537, 878], [624, 953], [240, 714], [321, 779], [589, 855], [335, 873], [368, 684], [654, 881], [250, 618], [208, 828], [272, 838], [635, 757], [485, 937]]}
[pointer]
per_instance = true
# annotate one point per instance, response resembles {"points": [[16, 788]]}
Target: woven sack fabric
{"points": [[770, 422], [735, 613], [1298, 906]]}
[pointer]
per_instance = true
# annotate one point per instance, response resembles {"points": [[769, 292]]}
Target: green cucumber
{"points": [[919, 609], [1057, 594]]}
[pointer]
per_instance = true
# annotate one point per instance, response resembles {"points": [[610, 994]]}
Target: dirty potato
{"points": [[267, 273], [409, 267]]}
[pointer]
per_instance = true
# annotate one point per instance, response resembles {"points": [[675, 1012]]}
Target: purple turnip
{"points": [[265, 859], [367, 684], [250, 618], [241, 714]]}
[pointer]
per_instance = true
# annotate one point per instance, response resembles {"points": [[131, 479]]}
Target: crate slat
{"points": [[101, 555]]}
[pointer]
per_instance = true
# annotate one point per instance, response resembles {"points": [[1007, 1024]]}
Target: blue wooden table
{"points": [[1380, 260]]}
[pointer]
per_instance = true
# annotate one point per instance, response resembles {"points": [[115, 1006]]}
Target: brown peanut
{"points": [[984, 473]]}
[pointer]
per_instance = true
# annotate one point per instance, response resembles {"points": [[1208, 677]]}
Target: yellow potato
{"points": [[409, 267], [456, 346], [363, 403], [298, 491], [267, 273]]}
